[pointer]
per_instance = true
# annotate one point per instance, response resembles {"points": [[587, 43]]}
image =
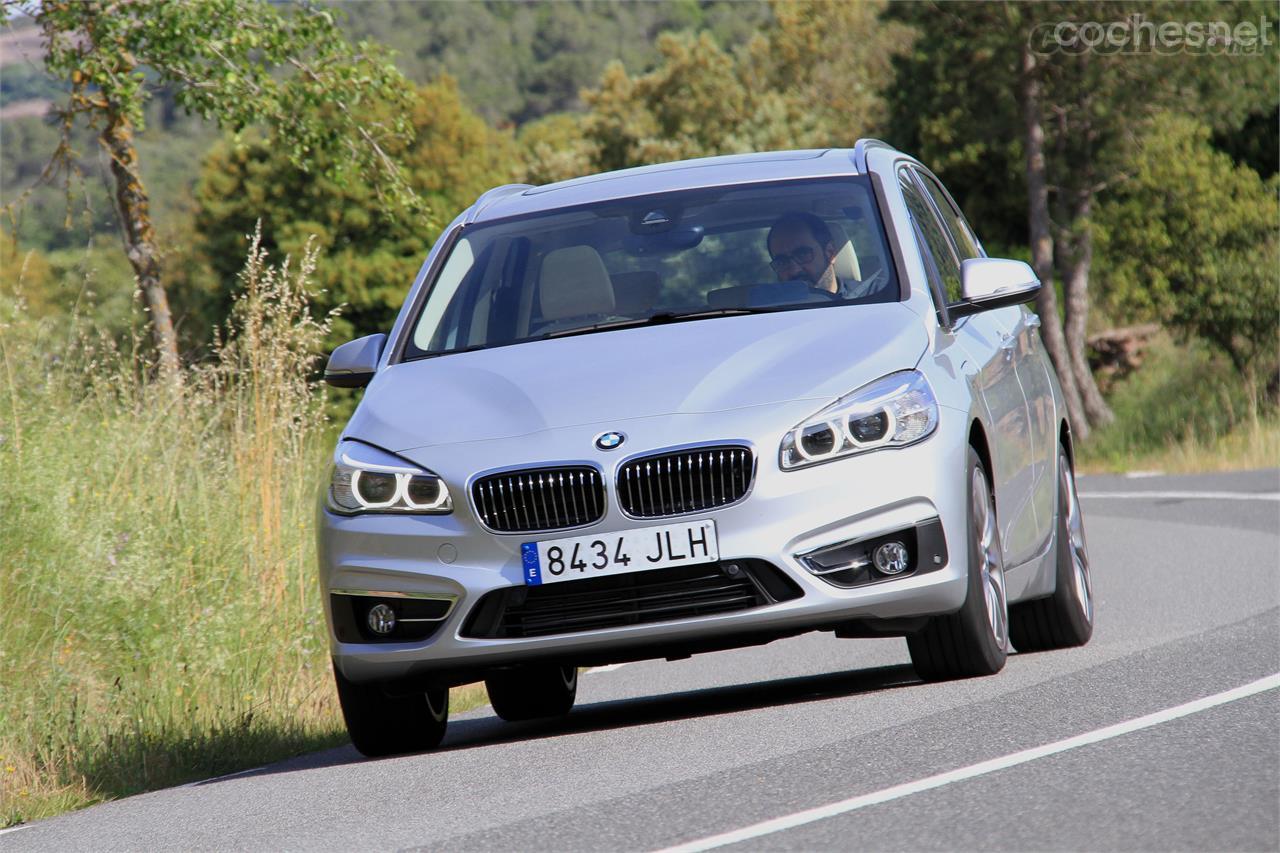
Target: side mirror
{"points": [[353, 364], [989, 283]]}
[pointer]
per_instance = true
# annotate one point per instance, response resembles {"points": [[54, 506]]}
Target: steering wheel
{"points": [[813, 294], [875, 281]]}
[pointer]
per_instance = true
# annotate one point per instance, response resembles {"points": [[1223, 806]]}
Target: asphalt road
{"points": [[656, 754]]}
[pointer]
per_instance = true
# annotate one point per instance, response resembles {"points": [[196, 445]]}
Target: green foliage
{"points": [[24, 82], [787, 88], [1184, 401], [955, 100], [49, 218], [954, 105], [1190, 239], [517, 62], [368, 257], [225, 59], [1256, 144], [555, 148], [66, 286], [691, 105]]}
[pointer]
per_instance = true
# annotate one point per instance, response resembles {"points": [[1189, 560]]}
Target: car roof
{"points": [[521, 199]]}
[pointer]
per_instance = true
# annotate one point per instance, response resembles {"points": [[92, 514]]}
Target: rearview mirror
{"points": [[353, 364], [989, 283]]}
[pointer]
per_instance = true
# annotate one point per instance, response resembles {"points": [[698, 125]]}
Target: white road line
{"points": [[610, 668], [220, 778], [15, 828], [1212, 496], [791, 821], [1140, 475]]}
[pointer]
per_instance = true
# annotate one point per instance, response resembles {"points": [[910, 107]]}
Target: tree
{"points": [[236, 62], [1070, 123], [789, 87], [1190, 239], [518, 62], [367, 255], [555, 148]]}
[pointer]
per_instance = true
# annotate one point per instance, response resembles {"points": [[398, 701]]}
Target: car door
{"points": [[989, 341], [1030, 364]]}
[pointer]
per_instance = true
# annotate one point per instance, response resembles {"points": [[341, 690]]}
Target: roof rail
{"points": [[860, 149], [489, 196]]}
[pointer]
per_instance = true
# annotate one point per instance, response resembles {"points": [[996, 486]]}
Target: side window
{"points": [[935, 238], [961, 234]]}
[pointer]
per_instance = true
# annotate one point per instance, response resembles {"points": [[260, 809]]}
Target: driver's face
{"points": [[795, 254]]}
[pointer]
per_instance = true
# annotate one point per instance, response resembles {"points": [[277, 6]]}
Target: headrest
{"points": [[636, 292], [846, 260], [574, 282]]}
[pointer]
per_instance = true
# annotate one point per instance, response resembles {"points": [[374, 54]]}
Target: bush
{"points": [[1190, 239], [1187, 409]]}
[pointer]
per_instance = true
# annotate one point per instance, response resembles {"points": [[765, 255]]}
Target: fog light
{"points": [[892, 558], [381, 619]]}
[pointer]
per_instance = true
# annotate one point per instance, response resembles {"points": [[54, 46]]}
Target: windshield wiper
{"points": [[438, 353], [659, 319]]}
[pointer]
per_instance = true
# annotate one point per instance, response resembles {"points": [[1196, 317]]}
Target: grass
{"points": [[1185, 410], [1253, 445], [161, 621]]}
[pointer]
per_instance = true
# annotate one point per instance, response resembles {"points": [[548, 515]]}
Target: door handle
{"points": [[1007, 343]]}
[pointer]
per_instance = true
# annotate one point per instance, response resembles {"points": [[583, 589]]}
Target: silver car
{"points": [[692, 407]]}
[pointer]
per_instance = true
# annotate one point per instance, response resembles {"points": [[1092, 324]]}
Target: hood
{"points": [[700, 366]]}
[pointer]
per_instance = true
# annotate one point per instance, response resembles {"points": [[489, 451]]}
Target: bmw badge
{"points": [[610, 440]]}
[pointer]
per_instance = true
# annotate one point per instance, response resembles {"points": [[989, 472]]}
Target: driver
{"points": [[801, 249]]}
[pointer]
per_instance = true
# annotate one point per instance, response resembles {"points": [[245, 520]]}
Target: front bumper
{"points": [[786, 515]]}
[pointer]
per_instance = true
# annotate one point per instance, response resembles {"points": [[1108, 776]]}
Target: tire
{"points": [[531, 692], [974, 640], [381, 724], [1064, 619]]}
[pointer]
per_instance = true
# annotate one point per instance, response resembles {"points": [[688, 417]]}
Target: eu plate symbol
{"points": [[532, 568]]}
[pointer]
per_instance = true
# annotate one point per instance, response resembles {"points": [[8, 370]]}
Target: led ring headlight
{"points": [[894, 411], [366, 479]]}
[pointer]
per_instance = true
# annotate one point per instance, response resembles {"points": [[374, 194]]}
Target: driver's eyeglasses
{"points": [[798, 256]]}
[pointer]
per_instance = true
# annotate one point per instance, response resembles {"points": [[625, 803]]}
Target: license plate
{"points": [[617, 553]]}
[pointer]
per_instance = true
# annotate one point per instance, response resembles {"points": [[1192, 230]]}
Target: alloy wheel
{"points": [[991, 563], [1081, 584]]}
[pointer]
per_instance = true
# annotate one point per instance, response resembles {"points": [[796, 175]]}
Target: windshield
{"points": [[658, 259]]}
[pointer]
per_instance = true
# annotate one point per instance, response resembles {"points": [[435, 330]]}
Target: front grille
{"points": [[539, 499], [630, 599], [685, 481]]}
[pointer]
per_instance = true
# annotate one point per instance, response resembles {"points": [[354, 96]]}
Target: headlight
{"points": [[366, 479], [893, 411]]}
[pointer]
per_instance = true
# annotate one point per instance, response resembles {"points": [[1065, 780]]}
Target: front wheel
{"points": [[975, 639], [383, 724], [1064, 619], [530, 692]]}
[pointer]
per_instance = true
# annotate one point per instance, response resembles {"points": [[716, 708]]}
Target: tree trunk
{"points": [[139, 237], [1078, 259], [1042, 244]]}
